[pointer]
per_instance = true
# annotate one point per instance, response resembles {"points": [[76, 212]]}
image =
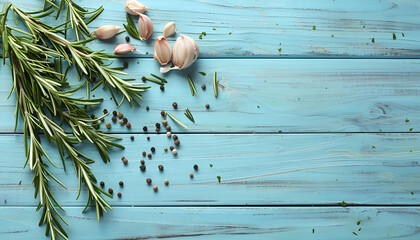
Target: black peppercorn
{"points": [[203, 86], [175, 137], [157, 130], [114, 119], [177, 142], [119, 194], [121, 183], [128, 125], [125, 161], [171, 148], [168, 127], [155, 188], [110, 190], [162, 87], [102, 183], [164, 122], [162, 113], [125, 120], [143, 79], [122, 158], [158, 125], [145, 128], [143, 168], [149, 155], [191, 175], [152, 149], [175, 105], [127, 38], [148, 180], [125, 64], [147, 108], [160, 167], [148, 138], [207, 106], [196, 167], [143, 153], [142, 162], [92, 116], [114, 113], [105, 111], [132, 138]]}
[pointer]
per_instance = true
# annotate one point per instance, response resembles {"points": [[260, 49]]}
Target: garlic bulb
{"points": [[169, 29], [106, 32], [145, 26], [185, 53], [135, 8], [162, 51], [123, 48]]}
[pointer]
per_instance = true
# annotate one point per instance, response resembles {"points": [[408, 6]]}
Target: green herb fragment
{"points": [[280, 131], [230, 33], [403, 34], [373, 40], [313, 230], [411, 129], [160, 78], [189, 115], [412, 193], [343, 204], [152, 80], [394, 37], [215, 84], [202, 73], [219, 178], [192, 86], [373, 146], [279, 50], [313, 27], [211, 165], [214, 29], [202, 34], [358, 222], [147, 53], [332, 35], [20, 182], [364, 26], [131, 27], [406, 120], [355, 234], [411, 150], [359, 229], [258, 106], [176, 120]]}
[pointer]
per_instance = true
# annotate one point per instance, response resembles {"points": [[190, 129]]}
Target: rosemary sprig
{"points": [[176, 120], [189, 115], [152, 80], [160, 78], [131, 27], [192, 86], [215, 84]]}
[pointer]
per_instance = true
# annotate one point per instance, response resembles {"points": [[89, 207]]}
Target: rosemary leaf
{"points": [[131, 27], [152, 80], [189, 115], [192, 86], [176, 120], [160, 78], [215, 84]]}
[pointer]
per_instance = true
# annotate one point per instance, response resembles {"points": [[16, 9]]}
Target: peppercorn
{"points": [[110, 190], [168, 134], [125, 161], [132, 138], [203, 86], [125, 64], [166, 181], [162, 113], [143, 153], [121, 183], [157, 130], [175, 137], [147, 108], [143, 79], [157, 125], [177, 142], [168, 127], [102, 183], [171, 148], [127, 38], [155, 188], [120, 114], [160, 167], [162, 87], [114, 119], [122, 158], [148, 180], [145, 128], [148, 138], [105, 111], [128, 125], [174, 151], [92, 116], [164, 122], [114, 113], [142, 162], [119, 194], [191, 175], [108, 125], [143, 168], [175, 105], [165, 149], [121, 122], [152, 149], [207, 106], [125, 120], [195, 167], [149, 155]]}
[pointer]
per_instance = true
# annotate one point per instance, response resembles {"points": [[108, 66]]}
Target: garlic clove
{"points": [[162, 51], [123, 48], [169, 29], [134, 7], [185, 52], [145, 26], [106, 32]]}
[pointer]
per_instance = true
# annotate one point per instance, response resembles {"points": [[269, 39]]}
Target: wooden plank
{"points": [[271, 96], [254, 169], [223, 223], [343, 28]]}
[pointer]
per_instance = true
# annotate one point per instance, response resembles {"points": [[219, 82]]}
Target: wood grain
{"points": [[291, 169], [271, 96], [259, 27], [129, 223]]}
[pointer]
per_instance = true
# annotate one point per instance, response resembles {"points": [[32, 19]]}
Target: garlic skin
{"points": [[185, 52], [169, 29], [145, 26], [162, 51], [124, 48], [134, 8], [106, 32]]}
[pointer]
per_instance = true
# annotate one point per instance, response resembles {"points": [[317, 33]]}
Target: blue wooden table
{"points": [[319, 105]]}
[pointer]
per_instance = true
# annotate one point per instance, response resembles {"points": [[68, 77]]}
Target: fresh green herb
{"points": [[411, 129], [215, 84], [373, 40], [189, 115], [358, 222], [152, 80], [192, 86], [211, 165], [332, 35], [176, 120], [202, 73], [258, 106], [313, 27], [411, 150], [355, 234], [406, 120], [373, 146], [160, 78], [147, 53], [313, 230], [412, 193], [343, 204], [131, 27], [394, 37], [219, 178], [280, 131], [359, 229], [214, 29], [279, 50], [364, 26], [202, 34], [403, 34], [20, 182], [230, 33]]}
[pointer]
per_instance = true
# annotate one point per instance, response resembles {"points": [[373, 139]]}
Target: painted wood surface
{"points": [[225, 223], [288, 95], [302, 169], [342, 28]]}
